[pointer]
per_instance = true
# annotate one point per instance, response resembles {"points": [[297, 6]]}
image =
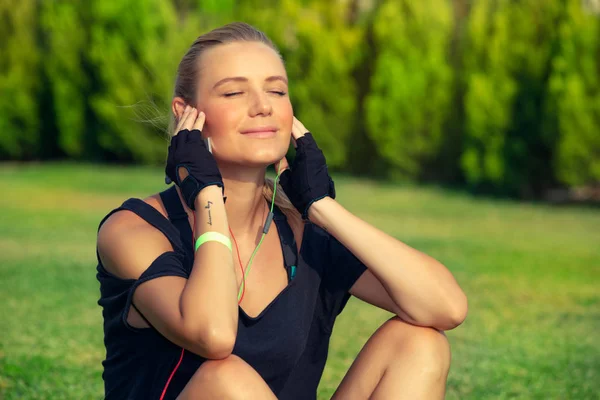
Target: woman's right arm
{"points": [[199, 314]]}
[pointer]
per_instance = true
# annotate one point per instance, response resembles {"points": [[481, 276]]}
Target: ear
{"points": [[178, 106]]}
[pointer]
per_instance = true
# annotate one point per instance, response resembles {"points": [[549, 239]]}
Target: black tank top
{"points": [[286, 343]]}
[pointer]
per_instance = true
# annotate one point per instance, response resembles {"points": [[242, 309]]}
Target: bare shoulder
{"points": [[127, 244]]}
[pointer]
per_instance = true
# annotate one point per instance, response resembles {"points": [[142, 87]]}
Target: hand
{"points": [[189, 163], [308, 179]]}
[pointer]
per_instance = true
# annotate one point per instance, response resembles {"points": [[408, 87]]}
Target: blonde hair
{"points": [[187, 78]]}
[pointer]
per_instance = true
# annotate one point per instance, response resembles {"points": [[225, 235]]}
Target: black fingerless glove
{"points": [[308, 179], [188, 150]]}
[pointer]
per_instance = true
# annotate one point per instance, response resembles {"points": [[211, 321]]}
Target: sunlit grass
{"points": [[531, 272]]}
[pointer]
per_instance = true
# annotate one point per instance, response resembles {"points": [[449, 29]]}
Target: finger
{"points": [[282, 165], [298, 129], [182, 119], [191, 118], [199, 124]]}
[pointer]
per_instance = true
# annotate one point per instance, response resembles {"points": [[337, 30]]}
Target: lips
{"points": [[261, 132], [260, 129]]}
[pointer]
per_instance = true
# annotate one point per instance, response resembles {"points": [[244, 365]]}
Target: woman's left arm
{"points": [[400, 279]]}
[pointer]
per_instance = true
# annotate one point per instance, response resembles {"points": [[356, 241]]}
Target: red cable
{"points": [[172, 373], [241, 267]]}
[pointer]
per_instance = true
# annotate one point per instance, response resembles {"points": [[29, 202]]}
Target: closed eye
{"points": [[277, 92]]}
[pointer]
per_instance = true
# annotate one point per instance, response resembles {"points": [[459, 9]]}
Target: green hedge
{"points": [[501, 95]]}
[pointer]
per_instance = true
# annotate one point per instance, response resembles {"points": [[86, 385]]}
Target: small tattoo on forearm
{"points": [[209, 216]]}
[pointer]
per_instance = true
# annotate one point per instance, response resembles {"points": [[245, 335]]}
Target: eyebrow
{"points": [[242, 79]]}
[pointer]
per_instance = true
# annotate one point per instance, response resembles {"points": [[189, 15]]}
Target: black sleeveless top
{"points": [[286, 344]]}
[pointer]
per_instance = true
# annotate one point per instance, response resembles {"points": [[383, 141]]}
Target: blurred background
{"points": [[501, 96], [466, 121]]}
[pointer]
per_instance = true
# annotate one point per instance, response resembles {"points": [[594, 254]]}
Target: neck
{"points": [[246, 206]]}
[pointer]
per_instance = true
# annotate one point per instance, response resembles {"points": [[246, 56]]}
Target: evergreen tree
{"points": [[66, 40], [574, 105], [507, 59], [411, 87], [20, 82], [134, 49]]}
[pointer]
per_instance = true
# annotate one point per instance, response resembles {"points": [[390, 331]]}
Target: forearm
{"points": [[210, 294], [420, 286]]}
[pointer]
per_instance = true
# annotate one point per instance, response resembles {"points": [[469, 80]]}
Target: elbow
{"points": [[219, 343], [456, 313], [213, 342], [220, 347]]}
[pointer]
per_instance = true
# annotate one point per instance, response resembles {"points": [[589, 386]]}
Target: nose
{"points": [[260, 105]]}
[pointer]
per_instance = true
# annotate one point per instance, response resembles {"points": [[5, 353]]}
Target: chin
{"points": [[260, 161], [255, 158], [262, 157]]}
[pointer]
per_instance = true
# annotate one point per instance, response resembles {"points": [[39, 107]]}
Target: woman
{"points": [[195, 301]]}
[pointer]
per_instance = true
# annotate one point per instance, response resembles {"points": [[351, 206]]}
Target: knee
{"points": [[427, 348], [226, 377], [224, 371]]}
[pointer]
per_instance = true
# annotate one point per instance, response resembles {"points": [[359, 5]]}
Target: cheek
{"points": [[286, 115], [221, 118]]}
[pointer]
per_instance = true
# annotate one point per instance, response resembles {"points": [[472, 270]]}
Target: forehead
{"points": [[252, 60]]}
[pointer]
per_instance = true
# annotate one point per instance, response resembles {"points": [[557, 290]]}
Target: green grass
{"points": [[531, 273]]}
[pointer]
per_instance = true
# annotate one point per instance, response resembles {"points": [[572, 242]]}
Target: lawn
{"points": [[531, 273]]}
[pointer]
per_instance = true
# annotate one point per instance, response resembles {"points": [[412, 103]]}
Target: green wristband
{"points": [[213, 237]]}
